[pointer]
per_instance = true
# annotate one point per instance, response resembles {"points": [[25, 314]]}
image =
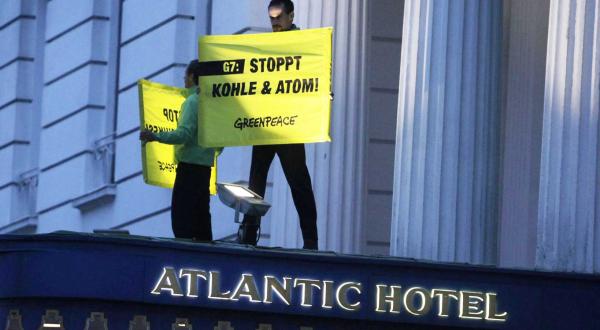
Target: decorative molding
{"points": [[16, 19], [96, 321], [156, 27], [153, 74], [181, 323], [73, 113], [14, 320], [16, 59], [93, 199], [255, 29], [139, 322], [24, 224], [72, 28]]}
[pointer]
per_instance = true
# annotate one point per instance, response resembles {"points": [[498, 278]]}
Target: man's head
{"points": [[191, 74], [281, 14]]}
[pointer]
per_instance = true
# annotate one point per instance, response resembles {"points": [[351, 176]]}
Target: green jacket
{"points": [[185, 137]]}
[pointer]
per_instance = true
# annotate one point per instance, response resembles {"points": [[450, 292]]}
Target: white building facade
{"points": [[462, 131]]}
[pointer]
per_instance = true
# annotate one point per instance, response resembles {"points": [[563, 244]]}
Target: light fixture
{"points": [[52, 320], [242, 200], [139, 322], [14, 321], [181, 323], [96, 321]]}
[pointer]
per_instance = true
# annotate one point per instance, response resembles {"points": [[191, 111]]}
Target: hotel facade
{"points": [[463, 132]]}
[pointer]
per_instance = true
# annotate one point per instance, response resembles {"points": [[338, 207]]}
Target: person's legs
{"points": [[293, 162], [202, 224], [190, 204], [180, 205], [262, 156]]}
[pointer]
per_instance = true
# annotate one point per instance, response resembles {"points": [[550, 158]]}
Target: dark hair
{"points": [[288, 5], [194, 69]]}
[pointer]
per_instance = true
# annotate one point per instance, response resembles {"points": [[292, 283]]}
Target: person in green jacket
{"points": [[190, 203]]}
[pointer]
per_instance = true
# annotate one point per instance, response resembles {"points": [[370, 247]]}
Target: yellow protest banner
{"points": [[270, 88], [160, 109]]}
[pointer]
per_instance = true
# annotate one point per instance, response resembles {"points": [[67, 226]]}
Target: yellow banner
{"points": [[270, 88], [160, 109]]}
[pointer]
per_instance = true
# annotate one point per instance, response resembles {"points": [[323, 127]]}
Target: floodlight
{"points": [[242, 200]]}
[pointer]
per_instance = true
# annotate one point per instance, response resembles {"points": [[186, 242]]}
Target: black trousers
{"points": [[190, 203], [293, 162]]}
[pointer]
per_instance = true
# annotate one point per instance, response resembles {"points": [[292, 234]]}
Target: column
{"points": [[446, 162], [336, 168], [569, 212]]}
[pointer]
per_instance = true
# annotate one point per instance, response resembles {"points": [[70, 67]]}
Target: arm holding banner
{"points": [[186, 128]]}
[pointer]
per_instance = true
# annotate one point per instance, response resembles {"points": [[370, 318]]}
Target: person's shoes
{"points": [[248, 234], [311, 245]]}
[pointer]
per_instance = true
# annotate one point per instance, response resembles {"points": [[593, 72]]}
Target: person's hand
{"points": [[147, 136]]}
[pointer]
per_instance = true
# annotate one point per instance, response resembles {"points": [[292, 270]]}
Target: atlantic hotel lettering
{"points": [[349, 296]]}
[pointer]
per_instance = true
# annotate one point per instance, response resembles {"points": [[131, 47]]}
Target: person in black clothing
{"points": [[292, 157]]}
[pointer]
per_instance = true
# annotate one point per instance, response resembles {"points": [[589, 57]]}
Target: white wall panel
{"points": [[230, 16], [62, 183], [8, 197], [128, 156], [155, 12], [22, 33], [222, 220], [11, 9], [88, 42], [83, 88], [170, 44], [234, 163], [154, 226], [12, 159], [14, 121], [136, 199], [65, 217], [78, 11], [70, 136], [128, 111], [99, 217], [12, 84]]}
